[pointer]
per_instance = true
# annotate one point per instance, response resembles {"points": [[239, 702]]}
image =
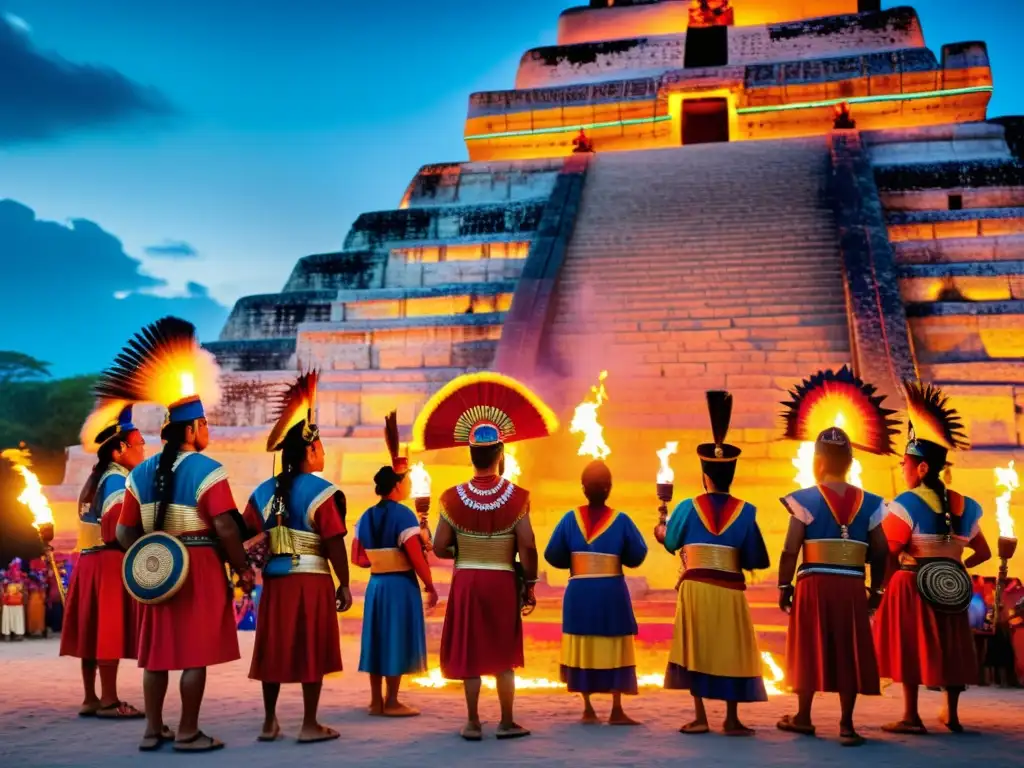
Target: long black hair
{"points": [[293, 453], [104, 458], [174, 435], [933, 481]]}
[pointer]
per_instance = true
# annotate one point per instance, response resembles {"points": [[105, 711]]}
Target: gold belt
{"points": [[589, 565], [843, 552], [180, 518], [306, 543], [713, 557], [926, 549], [90, 536], [486, 553], [306, 564], [388, 561]]}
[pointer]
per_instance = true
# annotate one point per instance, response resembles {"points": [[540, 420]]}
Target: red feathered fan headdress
{"points": [[295, 405], [829, 399], [479, 409], [931, 419]]}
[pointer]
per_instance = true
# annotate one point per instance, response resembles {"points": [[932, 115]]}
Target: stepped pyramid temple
{"points": [[689, 195]]}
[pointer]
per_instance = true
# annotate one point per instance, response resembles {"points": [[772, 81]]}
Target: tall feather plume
{"points": [[831, 399], [931, 417], [162, 363], [292, 406], [391, 436], [104, 415], [720, 411]]}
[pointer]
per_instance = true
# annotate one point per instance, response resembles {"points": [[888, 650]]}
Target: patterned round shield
{"points": [[945, 585], [155, 568]]}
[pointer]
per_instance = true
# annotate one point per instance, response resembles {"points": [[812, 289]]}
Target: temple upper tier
{"points": [[646, 75]]}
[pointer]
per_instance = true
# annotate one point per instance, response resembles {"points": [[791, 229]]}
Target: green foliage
{"points": [[45, 415]]}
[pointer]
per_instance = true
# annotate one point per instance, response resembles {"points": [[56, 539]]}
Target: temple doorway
{"points": [[705, 121], [706, 47]]}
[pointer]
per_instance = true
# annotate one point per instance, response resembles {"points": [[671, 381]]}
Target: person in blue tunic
{"points": [[714, 649], [594, 542], [394, 633]]}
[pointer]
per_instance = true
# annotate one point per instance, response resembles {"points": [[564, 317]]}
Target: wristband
{"points": [[785, 587]]}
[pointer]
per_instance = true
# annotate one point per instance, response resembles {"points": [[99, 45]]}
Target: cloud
{"points": [[17, 23], [71, 295], [43, 96], [172, 249]]}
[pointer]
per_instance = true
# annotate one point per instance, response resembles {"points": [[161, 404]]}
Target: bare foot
{"points": [[398, 709], [953, 725], [376, 709], [695, 727], [618, 717], [589, 717], [310, 734], [271, 731]]}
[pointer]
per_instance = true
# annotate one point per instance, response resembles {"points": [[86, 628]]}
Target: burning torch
{"points": [[42, 519], [421, 497], [1007, 479], [666, 478]]}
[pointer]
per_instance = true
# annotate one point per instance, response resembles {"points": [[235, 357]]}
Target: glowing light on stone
{"points": [[665, 473], [420, 481], [804, 462], [585, 422], [512, 468], [1008, 480]]}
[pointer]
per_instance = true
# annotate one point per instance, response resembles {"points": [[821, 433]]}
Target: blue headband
{"points": [[185, 411]]}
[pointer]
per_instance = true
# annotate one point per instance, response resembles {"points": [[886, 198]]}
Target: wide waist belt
{"points": [[102, 548], [391, 560], [486, 553], [591, 565], [314, 564], [712, 557], [839, 552], [930, 549], [90, 536], [196, 540]]}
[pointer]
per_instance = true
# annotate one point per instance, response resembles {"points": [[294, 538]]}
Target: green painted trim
{"points": [[866, 100], [741, 111]]}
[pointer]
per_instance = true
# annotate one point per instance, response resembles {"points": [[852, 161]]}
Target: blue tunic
{"points": [[394, 632]]}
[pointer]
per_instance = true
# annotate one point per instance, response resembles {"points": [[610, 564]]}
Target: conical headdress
{"points": [[720, 414], [399, 463]]}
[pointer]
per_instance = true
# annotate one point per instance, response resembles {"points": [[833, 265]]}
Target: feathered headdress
{"points": [[829, 399], [295, 405], [110, 418], [163, 363], [391, 437], [933, 428], [481, 409], [720, 413]]}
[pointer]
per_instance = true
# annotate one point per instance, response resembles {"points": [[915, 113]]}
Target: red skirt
{"points": [[196, 627], [829, 645], [483, 630], [297, 638], [101, 620], [919, 646]]}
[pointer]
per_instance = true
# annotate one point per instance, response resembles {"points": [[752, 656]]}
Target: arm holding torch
{"points": [[46, 534]]}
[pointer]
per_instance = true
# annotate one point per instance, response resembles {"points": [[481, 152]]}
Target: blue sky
{"points": [[197, 148]]}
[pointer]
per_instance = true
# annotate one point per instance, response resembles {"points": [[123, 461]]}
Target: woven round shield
{"points": [[945, 585], [155, 568]]}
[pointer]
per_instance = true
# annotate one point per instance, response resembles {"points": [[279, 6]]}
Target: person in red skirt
{"points": [[837, 527], [484, 523], [185, 494], [101, 620], [303, 516], [923, 637]]}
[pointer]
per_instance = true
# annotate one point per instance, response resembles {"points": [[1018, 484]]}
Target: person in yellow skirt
{"points": [[714, 649]]}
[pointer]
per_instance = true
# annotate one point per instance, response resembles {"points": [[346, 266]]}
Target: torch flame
{"points": [[512, 468], [33, 498], [1007, 479], [665, 473], [434, 679], [804, 462], [420, 481], [584, 421]]}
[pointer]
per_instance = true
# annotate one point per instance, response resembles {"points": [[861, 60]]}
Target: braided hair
{"points": [[174, 435], [933, 481], [104, 458], [293, 453]]}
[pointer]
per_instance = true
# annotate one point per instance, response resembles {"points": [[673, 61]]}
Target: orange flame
{"points": [[512, 468], [804, 462], [1007, 479], [420, 481], [584, 421], [33, 498], [665, 473]]}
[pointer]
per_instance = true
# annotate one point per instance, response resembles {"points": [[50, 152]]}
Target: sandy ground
{"points": [[41, 693]]}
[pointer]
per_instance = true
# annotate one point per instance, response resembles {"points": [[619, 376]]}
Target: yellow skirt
{"points": [[592, 652], [714, 634]]}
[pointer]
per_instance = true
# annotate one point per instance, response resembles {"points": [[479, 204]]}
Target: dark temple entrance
{"points": [[706, 47], [705, 121]]}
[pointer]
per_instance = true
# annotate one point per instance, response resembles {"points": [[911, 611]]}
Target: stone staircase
{"points": [[699, 268]]}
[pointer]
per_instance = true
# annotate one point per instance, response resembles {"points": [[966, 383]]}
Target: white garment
{"points": [[13, 621]]}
